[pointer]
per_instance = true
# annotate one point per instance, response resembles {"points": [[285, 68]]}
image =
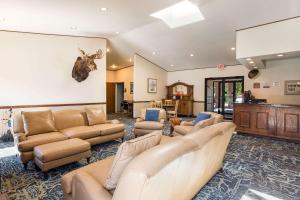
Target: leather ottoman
{"points": [[49, 156]]}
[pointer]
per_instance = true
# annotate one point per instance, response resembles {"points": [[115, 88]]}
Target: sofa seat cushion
{"points": [[108, 129], [35, 140], [97, 170], [149, 125], [61, 149], [82, 132], [183, 130]]}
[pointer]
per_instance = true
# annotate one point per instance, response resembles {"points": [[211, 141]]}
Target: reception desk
{"points": [[274, 120]]}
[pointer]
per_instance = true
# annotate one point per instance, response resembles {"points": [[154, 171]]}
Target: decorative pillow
{"points": [[152, 115], [203, 124], [95, 115], [38, 122], [128, 151], [201, 117]]}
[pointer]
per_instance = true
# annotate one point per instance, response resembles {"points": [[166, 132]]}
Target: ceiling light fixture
{"points": [[117, 32], [172, 65], [279, 55], [192, 55], [255, 67], [179, 14], [153, 53], [251, 62], [248, 59], [103, 9], [2, 19], [108, 50], [114, 66], [232, 48], [73, 27], [130, 59]]}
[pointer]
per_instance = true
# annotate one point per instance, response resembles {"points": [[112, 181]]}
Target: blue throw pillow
{"points": [[201, 116], [152, 115]]}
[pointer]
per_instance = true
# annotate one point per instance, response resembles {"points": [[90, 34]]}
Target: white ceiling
{"points": [[209, 40]]}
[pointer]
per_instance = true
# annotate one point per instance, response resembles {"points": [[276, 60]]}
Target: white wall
{"points": [[37, 69], [124, 75], [276, 71], [143, 69], [275, 38]]}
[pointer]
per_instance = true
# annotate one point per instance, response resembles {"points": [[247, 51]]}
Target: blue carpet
{"points": [[254, 169]]}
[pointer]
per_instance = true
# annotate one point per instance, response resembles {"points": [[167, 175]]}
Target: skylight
{"points": [[179, 14]]}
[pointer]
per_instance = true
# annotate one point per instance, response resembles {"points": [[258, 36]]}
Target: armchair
{"points": [[143, 127]]}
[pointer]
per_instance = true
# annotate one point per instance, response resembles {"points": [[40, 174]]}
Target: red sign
{"points": [[221, 66]]}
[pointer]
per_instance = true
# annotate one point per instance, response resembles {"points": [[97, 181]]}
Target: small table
{"points": [[174, 121]]}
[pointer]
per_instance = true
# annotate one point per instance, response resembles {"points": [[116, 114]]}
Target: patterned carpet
{"points": [[254, 169]]}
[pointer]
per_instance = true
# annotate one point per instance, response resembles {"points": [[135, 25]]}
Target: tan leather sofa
{"points": [[142, 127], [176, 169], [188, 127], [69, 124]]}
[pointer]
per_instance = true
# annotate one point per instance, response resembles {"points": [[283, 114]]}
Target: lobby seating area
{"points": [[150, 100]]}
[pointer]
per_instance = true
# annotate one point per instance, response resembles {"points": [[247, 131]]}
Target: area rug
{"points": [[255, 168]]}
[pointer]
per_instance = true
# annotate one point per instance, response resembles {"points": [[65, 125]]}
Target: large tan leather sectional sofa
{"points": [[177, 168], [68, 124]]}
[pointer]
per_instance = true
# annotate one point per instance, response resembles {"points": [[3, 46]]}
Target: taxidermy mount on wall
{"points": [[85, 64]]}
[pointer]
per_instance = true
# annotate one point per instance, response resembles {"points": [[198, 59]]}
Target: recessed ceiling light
{"points": [[192, 55], [103, 9], [172, 65], [255, 67], [279, 55], [108, 50], [251, 62], [248, 59], [117, 32], [232, 48], [2, 19], [73, 27], [153, 53], [114, 66], [180, 14], [130, 59]]}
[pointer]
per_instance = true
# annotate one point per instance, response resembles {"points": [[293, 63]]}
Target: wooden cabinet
{"points": [[184, 92], [268, 120]]}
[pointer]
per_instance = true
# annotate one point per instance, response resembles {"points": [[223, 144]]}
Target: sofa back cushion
{"points": [[69, 118], [95, 115], [18, 123], [128, 151], [38, 122]]}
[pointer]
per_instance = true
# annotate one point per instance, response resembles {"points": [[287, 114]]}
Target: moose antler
{"points": [[81, 52], [98, 54]]}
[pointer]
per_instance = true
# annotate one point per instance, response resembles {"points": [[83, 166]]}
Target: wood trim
{"points": [[198, 101], [180, 83], [141, 101], [114, 70], [236, 64], [51, 105], [52, 34], [268, 23], [151, 62]]}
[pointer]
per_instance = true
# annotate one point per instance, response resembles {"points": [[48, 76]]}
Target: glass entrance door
{"points": [[221, 93]]}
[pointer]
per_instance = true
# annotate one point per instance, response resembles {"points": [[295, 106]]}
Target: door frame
{"points": [[222, 90]]}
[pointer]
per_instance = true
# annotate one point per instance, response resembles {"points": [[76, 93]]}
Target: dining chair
{"points": [[173, 113]]}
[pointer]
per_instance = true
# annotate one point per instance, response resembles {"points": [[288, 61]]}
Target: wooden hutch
{"points": [[185, 94]]}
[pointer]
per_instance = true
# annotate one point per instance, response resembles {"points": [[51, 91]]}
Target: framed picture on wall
{"points": [[131, 87], [292, 87], [152, 85]]}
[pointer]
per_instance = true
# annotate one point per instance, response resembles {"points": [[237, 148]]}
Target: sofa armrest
{"points": [[162, 121], [86, 187], [114, 121], [21, 137], [185, 123], [139, 120]]}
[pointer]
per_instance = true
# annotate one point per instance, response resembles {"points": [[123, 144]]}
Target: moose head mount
{"points": [[85, 64]]}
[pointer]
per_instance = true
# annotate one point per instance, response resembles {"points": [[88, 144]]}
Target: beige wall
{"points": [[37, 69], [143, 69], [123, 75], [276, 71]]}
